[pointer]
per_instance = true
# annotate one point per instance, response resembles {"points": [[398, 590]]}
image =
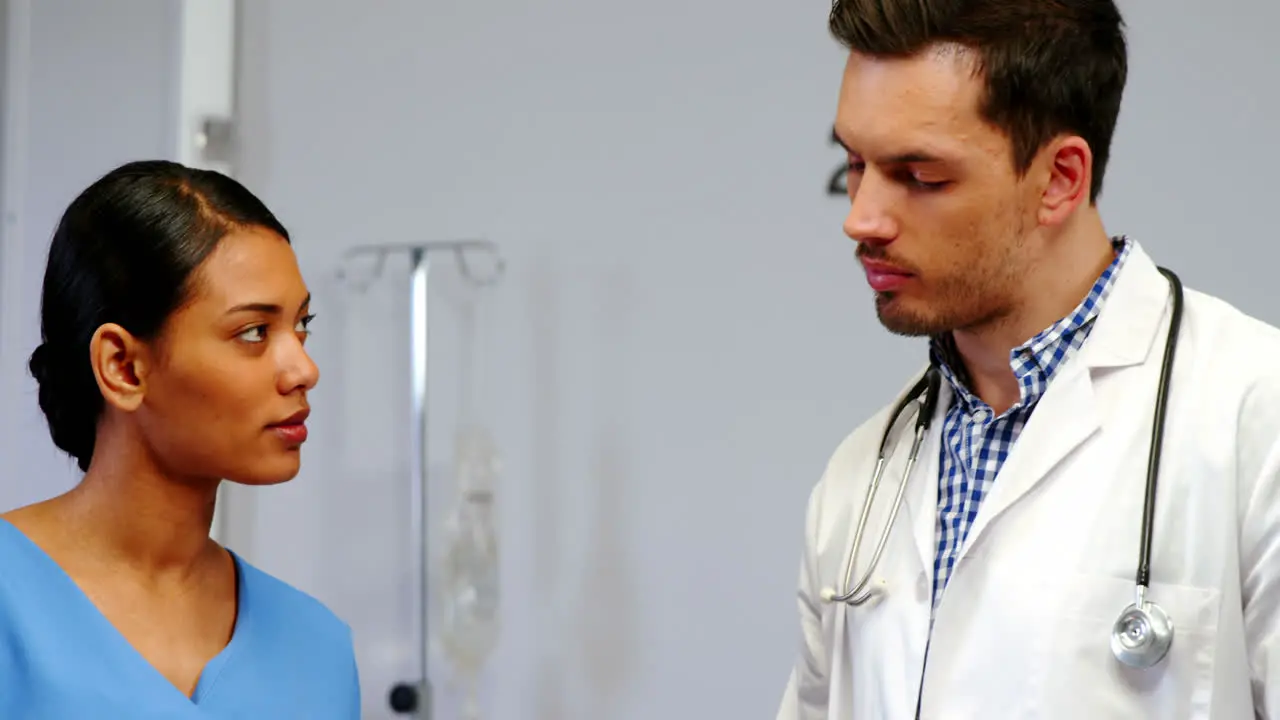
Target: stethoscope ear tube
{"points": [[923, 386], [925, 393]]}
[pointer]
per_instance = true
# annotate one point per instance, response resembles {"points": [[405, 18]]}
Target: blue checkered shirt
{"points": [[975, 441]]}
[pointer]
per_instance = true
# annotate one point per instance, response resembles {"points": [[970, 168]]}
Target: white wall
{"points": [[1196, 140], [88, 86], [683, 335]]}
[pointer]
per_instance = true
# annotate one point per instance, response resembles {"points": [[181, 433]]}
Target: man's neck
{"points": [[1060, 284]]}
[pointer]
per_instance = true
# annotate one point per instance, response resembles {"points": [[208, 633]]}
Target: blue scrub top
{"points": [[289, 656]]}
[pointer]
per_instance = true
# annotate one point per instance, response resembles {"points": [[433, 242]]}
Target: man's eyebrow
{"points": [[268, 308], [911, 157], [905, 158]]}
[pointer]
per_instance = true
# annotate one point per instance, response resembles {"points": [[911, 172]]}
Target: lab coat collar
{"points": [[1126, 330], [1124, 334]]}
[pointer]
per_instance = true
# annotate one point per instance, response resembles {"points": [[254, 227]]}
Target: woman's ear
{"points": [[120, 364]]}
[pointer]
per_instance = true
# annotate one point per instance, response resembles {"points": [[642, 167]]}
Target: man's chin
{"points": [[900, 320]]}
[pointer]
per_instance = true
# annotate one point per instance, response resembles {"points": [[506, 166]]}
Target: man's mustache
{"points": [[878, 254]]}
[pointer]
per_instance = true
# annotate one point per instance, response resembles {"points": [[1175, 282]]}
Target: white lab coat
{"points": [[1023, 629]]}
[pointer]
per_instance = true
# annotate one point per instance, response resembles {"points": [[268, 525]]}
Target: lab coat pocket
{"points": [[1079, 677]]}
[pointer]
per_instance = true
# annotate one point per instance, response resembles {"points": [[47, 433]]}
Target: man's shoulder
{"points": [[1225, 321], [1235, 364], [849, 465], [1231, 343], [863, 442]]}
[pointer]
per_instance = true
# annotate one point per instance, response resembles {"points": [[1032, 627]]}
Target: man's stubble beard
{"points": [[962, 304], [917, 324]]}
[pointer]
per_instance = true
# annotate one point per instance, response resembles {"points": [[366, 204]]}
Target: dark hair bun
{"points": [[39, 363], [71, 408]]}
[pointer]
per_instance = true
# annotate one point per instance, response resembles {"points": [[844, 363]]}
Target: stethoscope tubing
{"points": [[926, 392]]}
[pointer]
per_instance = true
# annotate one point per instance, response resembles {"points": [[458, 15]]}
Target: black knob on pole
{"points": [[404, 699]]}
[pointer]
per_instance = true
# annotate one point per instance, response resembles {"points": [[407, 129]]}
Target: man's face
{"points": [[941, 218]]}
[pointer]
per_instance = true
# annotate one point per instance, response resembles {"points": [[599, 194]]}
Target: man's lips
{"points": [[883, 277]]}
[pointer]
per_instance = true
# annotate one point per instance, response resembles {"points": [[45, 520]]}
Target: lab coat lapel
{"points": [[1068, 413], [1065, 417]]}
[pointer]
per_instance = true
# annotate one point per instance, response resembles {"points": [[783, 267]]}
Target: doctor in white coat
{"points": [[977, 136]]}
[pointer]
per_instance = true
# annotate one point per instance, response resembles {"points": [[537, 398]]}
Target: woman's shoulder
{"points": [[284, 609], [279, 627]]}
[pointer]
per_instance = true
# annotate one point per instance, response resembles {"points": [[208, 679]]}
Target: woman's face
{"points": [[226, 394]]}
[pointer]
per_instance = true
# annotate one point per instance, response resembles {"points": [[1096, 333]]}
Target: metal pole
{"points": [[418, 469]]}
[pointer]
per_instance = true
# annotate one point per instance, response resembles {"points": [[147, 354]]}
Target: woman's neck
{"points": [[127, 510], [154, 524]]}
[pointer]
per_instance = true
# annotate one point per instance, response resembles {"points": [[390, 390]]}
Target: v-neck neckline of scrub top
{"points": [[120, 646]]}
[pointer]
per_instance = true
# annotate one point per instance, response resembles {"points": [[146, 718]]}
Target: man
{"points": [[977, 135]]}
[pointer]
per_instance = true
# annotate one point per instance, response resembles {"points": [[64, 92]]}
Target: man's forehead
{"points": [[926, 100]]}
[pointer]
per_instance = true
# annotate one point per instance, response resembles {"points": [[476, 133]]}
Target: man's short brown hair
{"points": [[1049, 66]]}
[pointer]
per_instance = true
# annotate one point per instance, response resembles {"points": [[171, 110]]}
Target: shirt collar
{"points": [[1036, 361]]}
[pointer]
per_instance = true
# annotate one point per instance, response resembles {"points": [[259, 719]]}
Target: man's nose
{"points": [[871, 218]]}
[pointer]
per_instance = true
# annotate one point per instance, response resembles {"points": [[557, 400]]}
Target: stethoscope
{"points": [[1143, 633]]}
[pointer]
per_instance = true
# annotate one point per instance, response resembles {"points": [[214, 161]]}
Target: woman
{"points": [[173, 322]]}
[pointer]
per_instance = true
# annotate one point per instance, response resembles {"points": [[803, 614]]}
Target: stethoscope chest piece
{"points": [[1142, 635]]}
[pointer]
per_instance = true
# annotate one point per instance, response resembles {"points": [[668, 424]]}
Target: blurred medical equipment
{"points": [[465, 600], [466, 597], [467, 591]]}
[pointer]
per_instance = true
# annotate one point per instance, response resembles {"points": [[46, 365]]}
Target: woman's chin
{"points": [[268, 473]]}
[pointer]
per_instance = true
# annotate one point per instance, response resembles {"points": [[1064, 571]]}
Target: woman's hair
{"points": [[124, 252]]}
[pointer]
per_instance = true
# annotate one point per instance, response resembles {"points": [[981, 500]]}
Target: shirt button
{"points": [[922, 588]]}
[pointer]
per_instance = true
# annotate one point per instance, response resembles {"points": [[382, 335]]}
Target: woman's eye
{"points": [[255, 334], [304, 323]]}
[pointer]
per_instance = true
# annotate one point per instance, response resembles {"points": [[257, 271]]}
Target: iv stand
{"points": [[416, 698]]}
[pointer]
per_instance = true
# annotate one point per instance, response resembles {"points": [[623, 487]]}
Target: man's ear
{"points": [[1070, 175], [121, 363]]}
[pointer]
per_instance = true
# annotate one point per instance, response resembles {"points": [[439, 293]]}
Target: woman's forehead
{"points": [[249, 265]]}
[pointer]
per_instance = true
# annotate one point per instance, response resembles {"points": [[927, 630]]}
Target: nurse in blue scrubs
{"points": [[174, 322]]}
